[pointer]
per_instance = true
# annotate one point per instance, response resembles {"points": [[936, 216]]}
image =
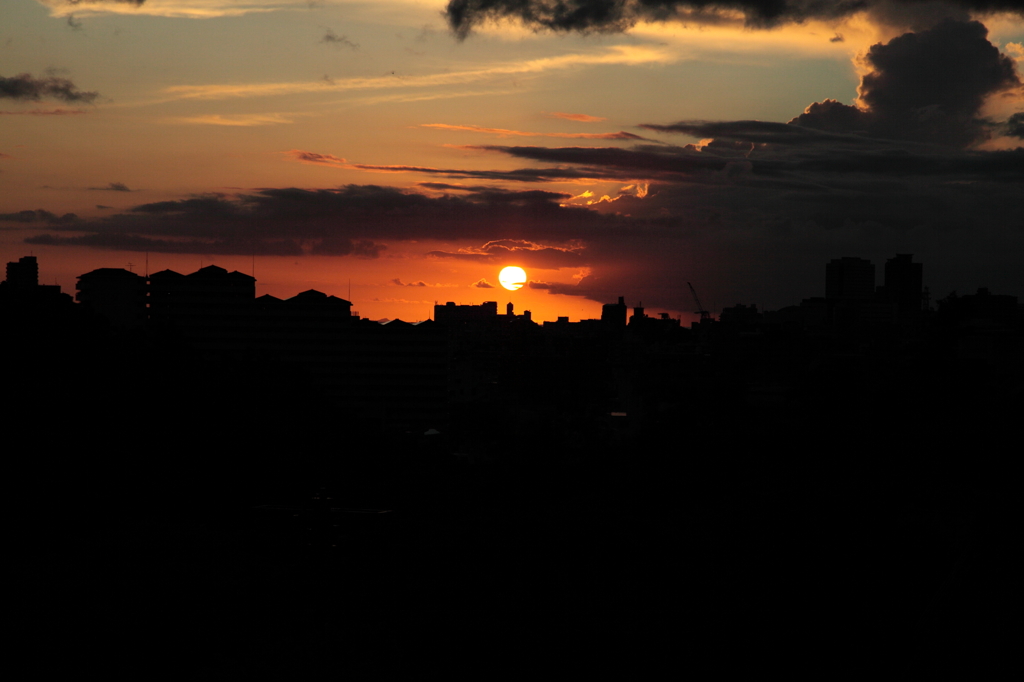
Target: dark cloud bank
{"points": [[618, 15], [750, 214], [26, 87]]}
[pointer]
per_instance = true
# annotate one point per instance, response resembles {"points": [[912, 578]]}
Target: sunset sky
{"points": [[410, 149]]}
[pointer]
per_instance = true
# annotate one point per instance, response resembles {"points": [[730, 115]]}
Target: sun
{"points": [[512, 278]]}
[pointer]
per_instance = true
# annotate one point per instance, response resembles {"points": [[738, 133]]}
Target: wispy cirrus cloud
{"points": [[334, 40], [397, 281], [526, 252], [502, 132], [237, 120], [317, 159], [582, 118], [44, 112], [114, 187], [187, 9], [558, 174], [619, 54]]}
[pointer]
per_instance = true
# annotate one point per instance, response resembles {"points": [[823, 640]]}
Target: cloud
{"points": [[65, 7], [134, 242], [562, 288], [445, 186], [583, 118], [25, 87], [317, 159], [757, 132], [617, 54], [928, 87], [642, 163], [333, 39], [114, 187], [40, 216], [521, 252], [193, 9], [397, 281], [613, 16], [244, 120], [44, 112], [502, 132], [333, 245], [483, 284], [355, 220], [1015, 125], [521, 175]]}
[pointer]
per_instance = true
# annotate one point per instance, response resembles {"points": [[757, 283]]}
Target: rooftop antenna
{"points": [[130, 265], [147, 265], [350, 289]]}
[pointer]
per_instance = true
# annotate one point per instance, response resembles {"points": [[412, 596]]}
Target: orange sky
{"points": [[204, 131]]}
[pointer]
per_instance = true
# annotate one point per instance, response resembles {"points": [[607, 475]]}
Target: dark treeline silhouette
{"points": [[213, 484]]}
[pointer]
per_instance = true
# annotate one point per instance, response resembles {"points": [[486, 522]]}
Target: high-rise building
{"points": [[24, 274], [614, 314], [849, 279], [903, 284]]}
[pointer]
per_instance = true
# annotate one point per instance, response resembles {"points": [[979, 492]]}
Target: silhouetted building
{"points": [[739, 314], [638, 315], [614, 314], [849, 279], [21, 289], [814, 312], [212, 308], [24, 274], [316, 304], [903, 284], [116, 294], [449, 312], [207, 291]]}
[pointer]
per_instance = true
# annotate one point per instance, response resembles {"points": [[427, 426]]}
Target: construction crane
{"points": [[704, 315]]}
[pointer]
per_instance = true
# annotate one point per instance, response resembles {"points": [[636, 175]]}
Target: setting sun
{"points": [[512, 278]]}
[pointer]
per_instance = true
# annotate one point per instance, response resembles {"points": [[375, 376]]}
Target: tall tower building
{"points": [[24, 274], [903, 284], [614, 314], [849, 279]]}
